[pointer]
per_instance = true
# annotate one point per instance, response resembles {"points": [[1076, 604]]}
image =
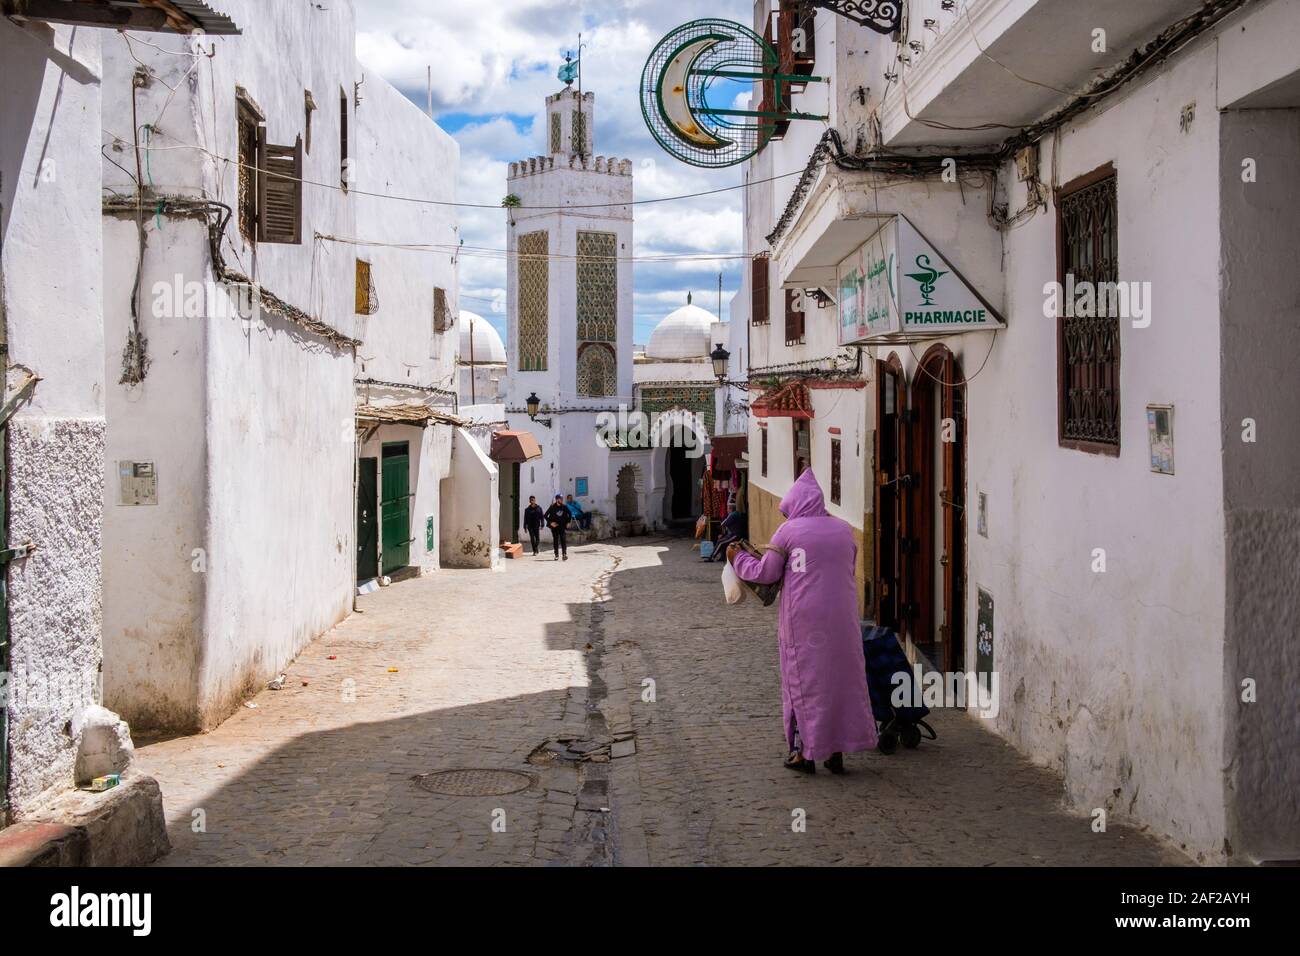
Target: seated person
{"points": [[735, 527], [582, 517]]}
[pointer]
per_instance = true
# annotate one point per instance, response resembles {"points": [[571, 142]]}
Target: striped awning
{"points": [[172, 16]]}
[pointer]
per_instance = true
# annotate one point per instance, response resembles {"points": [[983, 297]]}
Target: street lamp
{"points": [[720, 356], [534, 406]]}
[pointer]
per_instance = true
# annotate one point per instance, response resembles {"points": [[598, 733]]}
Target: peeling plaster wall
{"points": [[50, 296], [1260, 301]]}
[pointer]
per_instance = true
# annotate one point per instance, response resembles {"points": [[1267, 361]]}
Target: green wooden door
{"points": [[395, 507]]}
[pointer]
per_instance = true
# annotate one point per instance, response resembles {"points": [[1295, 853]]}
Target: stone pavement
{"points": [[524, 669]]}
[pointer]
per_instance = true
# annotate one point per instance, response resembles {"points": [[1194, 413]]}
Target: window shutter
{"points": [[367, 299], [793, 319], [759, 307], [279, 191]]}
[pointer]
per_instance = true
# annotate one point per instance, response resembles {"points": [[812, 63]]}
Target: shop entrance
{"points": [[920, 540]]}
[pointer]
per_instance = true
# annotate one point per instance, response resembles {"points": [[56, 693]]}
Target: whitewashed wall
{"points": [[249, 424]]}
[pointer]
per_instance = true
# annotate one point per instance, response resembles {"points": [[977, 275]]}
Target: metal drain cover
{"points": [[474, 783]]}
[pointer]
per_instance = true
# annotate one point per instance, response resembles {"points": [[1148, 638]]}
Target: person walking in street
{"points": [[533, 518], [557, 519], [582, 517], [823, 672]]}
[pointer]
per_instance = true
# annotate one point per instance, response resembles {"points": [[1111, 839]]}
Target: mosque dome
{"points": [[488, 349], [684, 334]]}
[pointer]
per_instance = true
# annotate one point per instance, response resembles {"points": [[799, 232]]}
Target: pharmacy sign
{"points": [[896, 285]]}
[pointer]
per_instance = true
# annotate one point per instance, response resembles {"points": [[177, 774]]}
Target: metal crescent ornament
{"points": [[674, 98]]}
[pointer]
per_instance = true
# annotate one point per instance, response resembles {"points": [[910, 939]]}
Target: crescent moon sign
{"points": [[673, 96]]}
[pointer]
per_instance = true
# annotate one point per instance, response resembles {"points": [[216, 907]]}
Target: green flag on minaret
{"points": [[569, 72]]}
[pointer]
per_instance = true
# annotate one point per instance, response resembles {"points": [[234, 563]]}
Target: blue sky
{"points": [[494, 63]]}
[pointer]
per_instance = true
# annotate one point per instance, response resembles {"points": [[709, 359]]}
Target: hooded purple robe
{"points": [[823, 674]]}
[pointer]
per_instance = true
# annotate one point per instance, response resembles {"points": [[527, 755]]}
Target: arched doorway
{"points": [[920, 549], [680, 458]]}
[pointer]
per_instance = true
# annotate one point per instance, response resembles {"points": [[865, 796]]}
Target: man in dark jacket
{"points": [[533, 518], [557, 519]]}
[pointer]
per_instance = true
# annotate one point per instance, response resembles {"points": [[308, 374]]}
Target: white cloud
{"points": [[494, 60]]}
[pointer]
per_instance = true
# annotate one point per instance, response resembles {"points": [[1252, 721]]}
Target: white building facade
{"points": [[1083, 504], [569, 305], [281, 388], [53, 417]]}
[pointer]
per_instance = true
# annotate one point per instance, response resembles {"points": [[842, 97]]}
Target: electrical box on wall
{"points": [[138, 481]]}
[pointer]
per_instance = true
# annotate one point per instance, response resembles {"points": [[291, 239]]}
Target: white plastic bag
{"points": [[732, 589]]}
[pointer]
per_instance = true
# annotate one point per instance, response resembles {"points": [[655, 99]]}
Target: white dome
{"points": [[488, 349], [682, 335]]}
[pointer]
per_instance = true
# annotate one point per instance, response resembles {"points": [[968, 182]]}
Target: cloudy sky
{"points": [[494, 63]]}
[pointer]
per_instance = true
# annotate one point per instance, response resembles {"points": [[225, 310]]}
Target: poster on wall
{"points": [[1160, 431], [897, 285]]}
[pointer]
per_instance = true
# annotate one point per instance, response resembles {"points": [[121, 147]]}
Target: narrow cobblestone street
{"points": [[475, 670]]}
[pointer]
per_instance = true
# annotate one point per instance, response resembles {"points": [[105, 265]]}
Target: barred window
{"points": [[556, 136], [1088, 346]]}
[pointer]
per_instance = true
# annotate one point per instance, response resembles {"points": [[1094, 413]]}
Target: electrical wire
{"points": [[463, 205]]}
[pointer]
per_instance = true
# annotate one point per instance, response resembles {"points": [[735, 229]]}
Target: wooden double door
{"points": [[919, 585]]}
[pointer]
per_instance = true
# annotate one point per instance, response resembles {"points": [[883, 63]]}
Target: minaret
{"points": [[569, 294], [570, 284]]}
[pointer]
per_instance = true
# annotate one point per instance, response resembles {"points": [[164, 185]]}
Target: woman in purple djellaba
{"points": [[823, 674]]}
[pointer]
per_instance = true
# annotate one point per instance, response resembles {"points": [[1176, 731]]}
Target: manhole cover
{"points": [[474, 783]]}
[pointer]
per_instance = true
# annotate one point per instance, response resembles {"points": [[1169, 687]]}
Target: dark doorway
{"points": [[680, 475], [889, 393], [515, 503], [368, 519], [395, 508]]}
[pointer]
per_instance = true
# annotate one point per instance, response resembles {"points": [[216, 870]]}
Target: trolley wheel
{"points": [[911, 735], [888, 742]]}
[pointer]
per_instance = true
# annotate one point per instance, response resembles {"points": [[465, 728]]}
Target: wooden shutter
{"points": [[279, 191], [759, 307], [793, 319]]}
